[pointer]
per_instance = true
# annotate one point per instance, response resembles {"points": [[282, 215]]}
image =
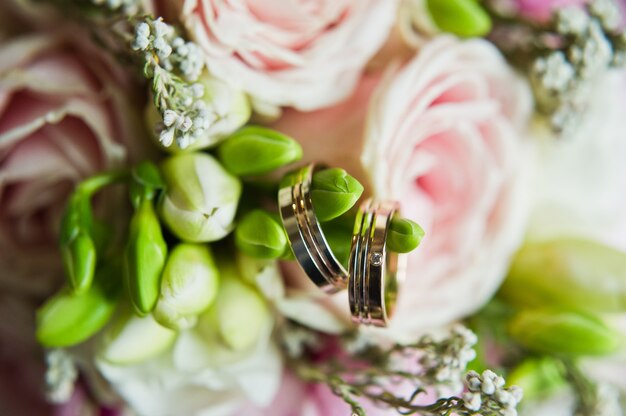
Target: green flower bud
{"points": [[201, 197], [404, 235], [144, 256], [188, 286], [573, 273], [239, 315], [77, 247], [260, 235], [132, 340], [563, 332], [538, 377], [257, 150], [67, 318], [462, 17], [334, 192]]}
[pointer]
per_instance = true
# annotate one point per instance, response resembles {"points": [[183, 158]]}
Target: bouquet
{"points": [[281, 207]]}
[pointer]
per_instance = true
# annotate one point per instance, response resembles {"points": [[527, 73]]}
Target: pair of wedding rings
{"points": [[374, 272]]}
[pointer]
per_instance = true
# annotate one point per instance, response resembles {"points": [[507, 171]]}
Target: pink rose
{"points": [[63, 117], [443, 137], [290, 53]]}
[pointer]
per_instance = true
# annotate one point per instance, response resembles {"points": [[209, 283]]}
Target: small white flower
{"points": [[61, 376], [185, 124], [169, 117], [161, 29], [472, 401], [140, 43], [517, 393], [167, 137], [178, 42], [488, 387], [142, 29], [572, 20], [474, 384], [505, 398], [197, 90]]}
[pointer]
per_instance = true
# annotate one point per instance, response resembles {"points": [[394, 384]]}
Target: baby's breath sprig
{"points": [[174, 66], [127, 7], [565, 56], [438, 363]]}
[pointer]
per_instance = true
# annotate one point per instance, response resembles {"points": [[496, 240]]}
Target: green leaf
{"points": [[462, 17], [257, 150], [563, 333], [572, 273], [334, 193], [404, 235], [68, 319], [145, 255], [260, 235]]}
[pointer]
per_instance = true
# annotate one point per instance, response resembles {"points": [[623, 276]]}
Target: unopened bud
{"points": [[334, 192], [257, 150], [260, 235], [200, 199], [133, 339], [188, 287], [69, 318], [144, 256], [563, 332]]}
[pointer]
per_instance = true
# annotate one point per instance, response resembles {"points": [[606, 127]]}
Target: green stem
{"points": [[95, 183]]}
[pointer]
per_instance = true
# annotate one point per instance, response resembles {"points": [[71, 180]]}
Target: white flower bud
{"points": [[188, 286], [161, 29], [474, 384], [166, 137], [177, 42], [201, 198], [488, 387], [239, 315], [517, 393], [472, 401], [133, 339], [142, 30], [169, 117], [505, 398]]}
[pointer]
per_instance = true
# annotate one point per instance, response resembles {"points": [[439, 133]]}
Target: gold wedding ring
{"points": [[375, 273], [305, 234]]}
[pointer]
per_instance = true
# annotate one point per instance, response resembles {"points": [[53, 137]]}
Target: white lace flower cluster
{"points": [[129, 7], [174, 65], [61, 375], [593, 43], [487, 393], [445, 361], [174, 53]]}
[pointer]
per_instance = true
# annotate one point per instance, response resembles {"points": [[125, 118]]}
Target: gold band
{"points": [[306, 237], [374, 271]]}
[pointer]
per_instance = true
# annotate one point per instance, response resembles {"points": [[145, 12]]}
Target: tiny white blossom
{"points": [[61, 376], [143, 30], [167, 137], [161, 28], [572, 21], [197, 90], [488, 387], [472, 401], [505, 398], [169, 117]]}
